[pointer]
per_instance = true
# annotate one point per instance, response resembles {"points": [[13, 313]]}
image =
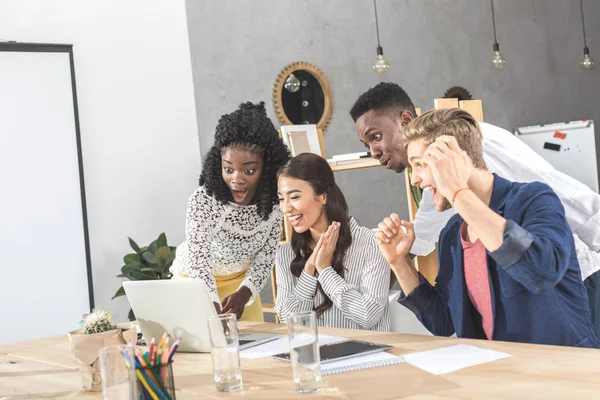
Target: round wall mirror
{"points": [[302, 95]]}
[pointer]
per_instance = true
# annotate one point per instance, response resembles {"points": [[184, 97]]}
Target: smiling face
{"points": [[301, 205], [421, 173], [381, 133], [241, 171]]}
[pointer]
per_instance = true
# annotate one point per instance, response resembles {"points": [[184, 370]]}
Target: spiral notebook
{"points": [[374, 360]]}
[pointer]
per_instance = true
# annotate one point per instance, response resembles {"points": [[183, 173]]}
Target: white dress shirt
{"points": [[509, 157]]}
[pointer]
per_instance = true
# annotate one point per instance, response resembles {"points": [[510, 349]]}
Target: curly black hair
{"points": [[250, 129], [387, 97]]}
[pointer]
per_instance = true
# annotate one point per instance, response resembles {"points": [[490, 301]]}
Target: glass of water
{"points": [[117, 369], [304, 352], [225, 352]]}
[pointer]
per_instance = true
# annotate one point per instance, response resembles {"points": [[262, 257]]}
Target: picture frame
{"points": [[303, 139]]}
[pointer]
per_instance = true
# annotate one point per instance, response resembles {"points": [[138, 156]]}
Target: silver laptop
{"points": [[182, 308]]}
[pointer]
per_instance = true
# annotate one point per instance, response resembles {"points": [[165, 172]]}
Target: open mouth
{"points": [[239, 195], [295, 219], [433, 190], [387, 163]]}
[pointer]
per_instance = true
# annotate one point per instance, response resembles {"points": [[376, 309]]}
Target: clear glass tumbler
{"points": [[225, 352], [304, 352], [117, 369]]}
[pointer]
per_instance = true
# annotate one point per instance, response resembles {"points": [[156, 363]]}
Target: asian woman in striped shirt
{"points": [[332, 265]]}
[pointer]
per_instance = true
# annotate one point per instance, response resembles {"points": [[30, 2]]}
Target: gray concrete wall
{"points": [[239, 47]]}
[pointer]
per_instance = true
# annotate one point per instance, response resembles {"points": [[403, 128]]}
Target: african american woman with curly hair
{"points": [[233, 220]]}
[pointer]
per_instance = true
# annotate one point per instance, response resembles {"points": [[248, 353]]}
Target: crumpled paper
{"points": [[85, 349]]}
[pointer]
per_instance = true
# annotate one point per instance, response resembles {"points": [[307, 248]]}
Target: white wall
{"points": [[137, 118]]}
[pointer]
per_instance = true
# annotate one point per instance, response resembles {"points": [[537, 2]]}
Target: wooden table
{"points": [[44, 368]]}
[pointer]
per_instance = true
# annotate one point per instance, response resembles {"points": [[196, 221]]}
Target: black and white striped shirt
{"points": [[360, 298]]}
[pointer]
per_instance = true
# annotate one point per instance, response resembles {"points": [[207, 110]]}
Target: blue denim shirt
{"points": [[535, 281]]}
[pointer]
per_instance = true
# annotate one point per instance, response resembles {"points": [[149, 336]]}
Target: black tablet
{"points": [[341, 350]]}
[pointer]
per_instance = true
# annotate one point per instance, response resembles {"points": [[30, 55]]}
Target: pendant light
{"points": [[498, 60], [380, 65], [587, 62]]}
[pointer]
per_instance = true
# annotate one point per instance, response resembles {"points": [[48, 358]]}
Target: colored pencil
{"points": [[151, 349], [162, 339], [173, 350], [145, 384]]}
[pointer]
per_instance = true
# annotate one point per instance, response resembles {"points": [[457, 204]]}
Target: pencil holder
{"points": [[156, 382]]}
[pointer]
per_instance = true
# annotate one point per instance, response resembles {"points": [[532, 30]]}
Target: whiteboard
{"points": [[569, 146], [46, 277]]}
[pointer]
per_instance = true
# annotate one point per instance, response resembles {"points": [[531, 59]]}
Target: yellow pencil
{"points": [[146, 385]]}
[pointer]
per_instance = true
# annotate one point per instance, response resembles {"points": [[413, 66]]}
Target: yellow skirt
{"points": [[229, 284]]}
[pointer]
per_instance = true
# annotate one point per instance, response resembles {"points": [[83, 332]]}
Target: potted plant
{"points": [[147, 263], [96, 332]]}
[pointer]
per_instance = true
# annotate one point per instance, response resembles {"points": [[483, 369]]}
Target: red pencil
{"points": [[151, 350]]}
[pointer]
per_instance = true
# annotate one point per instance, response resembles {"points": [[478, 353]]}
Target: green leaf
{"points": [[131, 315], [162, 254], [151, 270], [162, 241], [153, 247], [135, 273], [134, 245], [132, 258], [142, 276], [121, 276], [120, 292], [169, 260], [149, 258], [131, 267]]}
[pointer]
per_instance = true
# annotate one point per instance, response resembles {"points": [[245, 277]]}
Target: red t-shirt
{"points": [[477, 279]]}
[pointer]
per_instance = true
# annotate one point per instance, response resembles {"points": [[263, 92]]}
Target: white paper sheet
{"points": [[452, 358], [281, 345]]}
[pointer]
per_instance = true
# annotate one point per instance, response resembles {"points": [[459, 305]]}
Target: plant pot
{"points": [[85, 349]]}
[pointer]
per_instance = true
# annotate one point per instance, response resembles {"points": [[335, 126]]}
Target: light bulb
{"points": [[380, 65], [498, 60], [292, 84], [587, 62]]}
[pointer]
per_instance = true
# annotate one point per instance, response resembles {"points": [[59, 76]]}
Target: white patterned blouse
{"points": [[223, 239]]}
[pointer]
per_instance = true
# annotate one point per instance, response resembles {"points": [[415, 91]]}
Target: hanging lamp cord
{"points": [[376, 22], [494, 22], [583, 23]]}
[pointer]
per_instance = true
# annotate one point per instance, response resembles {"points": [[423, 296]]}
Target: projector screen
{"points": [[46, 283]]}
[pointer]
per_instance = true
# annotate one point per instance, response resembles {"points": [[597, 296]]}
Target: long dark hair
{"points": [[316, 171], [247, 128]]}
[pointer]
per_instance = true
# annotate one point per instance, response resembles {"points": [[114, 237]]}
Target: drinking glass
{"points": [[304, 352], [225, 352], [117, 369]]}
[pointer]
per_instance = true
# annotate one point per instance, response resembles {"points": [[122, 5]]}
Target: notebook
{"points": [[374, 360]]}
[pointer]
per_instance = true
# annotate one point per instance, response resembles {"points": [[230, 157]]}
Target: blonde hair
{"points": [[451, 122]]}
